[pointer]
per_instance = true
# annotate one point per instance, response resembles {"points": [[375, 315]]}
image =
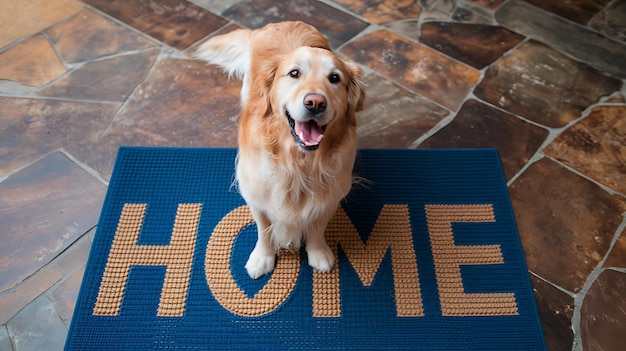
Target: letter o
{"points": [[220, 279]]}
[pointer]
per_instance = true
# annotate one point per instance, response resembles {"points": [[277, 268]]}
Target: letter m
{"points": [[391, 230]]}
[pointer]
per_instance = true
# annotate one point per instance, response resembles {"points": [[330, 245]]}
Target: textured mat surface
{"points": [[429, 258]]}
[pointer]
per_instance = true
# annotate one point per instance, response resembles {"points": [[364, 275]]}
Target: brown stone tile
{"points": [[394, 117], [88, 36], [31, 62], [32, 128], [380, 12], [110, 79], [20, 18], [596, 146], [580, 42], [611, 20], [617, 257], [177, 23], [14, 300], [338, 26], [478, 125], [566, 222], [603, 313], [579, 11], [556, 310], [183, 103], [415, 66], [66, 293], [543, 85], [490, 4], [475, 44], [45, 208]]}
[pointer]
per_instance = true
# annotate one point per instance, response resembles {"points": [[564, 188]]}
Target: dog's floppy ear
{"points": [[356, 88], [263, 82]]}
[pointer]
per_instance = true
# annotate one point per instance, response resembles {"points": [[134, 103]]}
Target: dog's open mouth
{"points": [[307, 134]]}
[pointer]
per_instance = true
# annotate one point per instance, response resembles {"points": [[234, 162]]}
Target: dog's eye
{"points": [[334, 78], [294, 74]]}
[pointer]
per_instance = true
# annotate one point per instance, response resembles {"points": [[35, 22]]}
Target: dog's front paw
{"points": [[321, 259], [260, 263]]}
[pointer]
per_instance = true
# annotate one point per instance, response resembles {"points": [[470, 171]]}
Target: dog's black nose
{"points": [[315, 103]]}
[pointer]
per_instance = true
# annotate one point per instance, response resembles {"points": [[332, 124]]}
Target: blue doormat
{"points": [[429, 258]]}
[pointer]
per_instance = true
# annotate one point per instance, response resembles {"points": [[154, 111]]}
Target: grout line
{"points": [[127, 26], [579, 299], [436, 128], [163, 51], [84, 167], [577, 172], [563, 290], [11, 173], [554, 133]]}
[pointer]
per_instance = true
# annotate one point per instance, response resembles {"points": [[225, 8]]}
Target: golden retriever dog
{"points": [[297, 134]]}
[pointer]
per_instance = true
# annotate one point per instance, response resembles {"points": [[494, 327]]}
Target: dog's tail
{"points": [[231, 51]]}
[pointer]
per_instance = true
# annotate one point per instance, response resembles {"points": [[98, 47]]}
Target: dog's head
{"points": [[314, 93]]}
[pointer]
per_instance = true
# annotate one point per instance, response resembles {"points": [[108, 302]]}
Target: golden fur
{"points": [[292, 176]]}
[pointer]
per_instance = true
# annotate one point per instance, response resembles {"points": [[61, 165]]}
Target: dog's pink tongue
{"points": [[309, 132]]}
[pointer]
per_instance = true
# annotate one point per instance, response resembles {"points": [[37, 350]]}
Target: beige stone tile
{"points": [[31, 62], [20, 18], [13, 301], [88, 35], [44, 208]]}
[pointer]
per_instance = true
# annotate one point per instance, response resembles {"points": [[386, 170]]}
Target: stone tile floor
{"points": [[543, 81]]}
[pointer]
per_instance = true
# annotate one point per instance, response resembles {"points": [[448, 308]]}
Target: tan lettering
{"points": [[392, 230], [125, 252], [448, 258], [222, 283]]}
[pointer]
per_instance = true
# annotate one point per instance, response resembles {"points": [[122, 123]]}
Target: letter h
{"points": [[125, 252]]}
